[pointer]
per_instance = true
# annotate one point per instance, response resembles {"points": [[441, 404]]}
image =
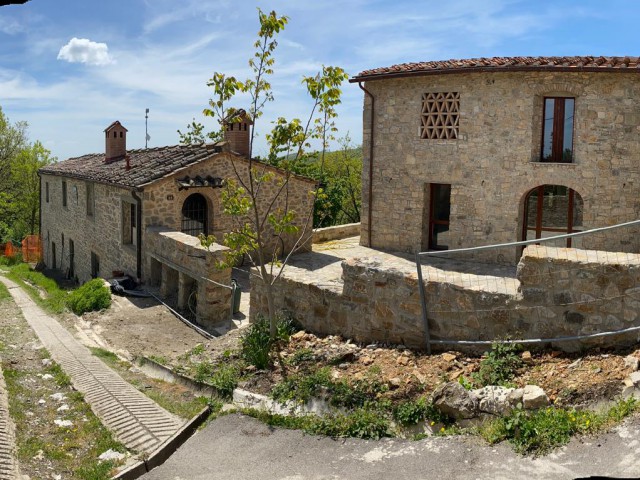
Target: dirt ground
{"points": [[135, 327], [142, 327]]}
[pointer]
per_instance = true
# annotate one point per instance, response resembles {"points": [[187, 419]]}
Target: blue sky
{"points": [[71, 67]]}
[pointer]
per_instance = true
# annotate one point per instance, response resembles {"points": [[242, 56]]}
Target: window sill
{"points": [[563, 164]]}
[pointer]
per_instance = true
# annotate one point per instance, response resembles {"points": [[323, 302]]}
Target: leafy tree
{"points": [[19, 182], [260, 216]]}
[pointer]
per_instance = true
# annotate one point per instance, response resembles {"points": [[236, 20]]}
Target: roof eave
{"points": [[419, 73]]}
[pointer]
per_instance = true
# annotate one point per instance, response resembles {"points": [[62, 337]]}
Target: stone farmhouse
{"points": [[139, 212], [462, 153]]}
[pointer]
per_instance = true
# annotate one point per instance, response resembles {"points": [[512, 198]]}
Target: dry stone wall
{"points": [[558, 292]]}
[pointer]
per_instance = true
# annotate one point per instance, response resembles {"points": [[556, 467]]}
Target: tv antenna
{"points": [[146, 131]]}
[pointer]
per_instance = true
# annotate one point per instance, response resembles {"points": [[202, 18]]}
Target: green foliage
{"points": [[540, 431], [11, 261], [225, 379], [304, 355], [500, 365], [341, 393], [411, 412], [302, 387], [256, 198], [361, 423], [91, 296], [465, 382], [37, 283], [256, 342]]}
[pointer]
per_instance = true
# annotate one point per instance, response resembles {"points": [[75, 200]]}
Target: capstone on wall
{"points": [[558, 293], [494, 163]]}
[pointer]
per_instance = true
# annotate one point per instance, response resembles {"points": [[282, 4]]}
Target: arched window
{"points": [[552, 210], [194, 215]]}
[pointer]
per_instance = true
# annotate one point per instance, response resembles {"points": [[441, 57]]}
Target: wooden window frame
{"points": [[557, 139]]}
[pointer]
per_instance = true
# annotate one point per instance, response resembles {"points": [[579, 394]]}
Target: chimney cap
{"points": [[115, 124], [240, 113]]}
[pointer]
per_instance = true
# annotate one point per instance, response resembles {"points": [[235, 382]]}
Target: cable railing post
{"points": [[423, 304]]}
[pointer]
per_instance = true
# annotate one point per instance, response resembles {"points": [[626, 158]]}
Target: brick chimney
{"points": [[237, 131], [115, 142]]}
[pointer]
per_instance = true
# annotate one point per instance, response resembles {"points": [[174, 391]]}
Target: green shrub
{"points": [[256, 343], [11, 261], [410, 412], [500, 365], [225, 379], [302, 387], [91, 296]]}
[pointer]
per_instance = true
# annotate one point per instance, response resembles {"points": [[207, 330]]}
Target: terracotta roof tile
{"points": [[146, 165], [590, 64]]}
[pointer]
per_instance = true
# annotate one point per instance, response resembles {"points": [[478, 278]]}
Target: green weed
{"points": [[500, 365], [225, 379], [256, 342]]}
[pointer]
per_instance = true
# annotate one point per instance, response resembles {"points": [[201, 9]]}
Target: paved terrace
{"points": [[322, 268]]}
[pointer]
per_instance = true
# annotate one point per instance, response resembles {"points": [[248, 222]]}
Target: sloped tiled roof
{"points": [[146, 165], [564, 64]]}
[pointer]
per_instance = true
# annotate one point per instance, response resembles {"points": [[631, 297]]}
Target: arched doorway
{"points": [[194, 215], [552, 210]]}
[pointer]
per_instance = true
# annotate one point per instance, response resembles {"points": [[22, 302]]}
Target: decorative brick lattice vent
{"points": [[440, 115]]}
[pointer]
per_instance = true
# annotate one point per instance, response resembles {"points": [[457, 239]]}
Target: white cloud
{"points": [[83, 50], [10, 26]]}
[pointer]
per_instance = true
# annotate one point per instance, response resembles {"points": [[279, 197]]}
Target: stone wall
{"points": [[558, 292], [336, 232], [163, 202], [100, 233], [494, 163], [114, 246], [180, 266]]}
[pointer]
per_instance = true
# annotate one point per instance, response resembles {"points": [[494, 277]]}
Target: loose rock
{"points": [[454, 400], [632, 362], [494, 400], [534, 397]]}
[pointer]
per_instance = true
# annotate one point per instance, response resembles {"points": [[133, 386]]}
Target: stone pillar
{"points": [[169, 282]]}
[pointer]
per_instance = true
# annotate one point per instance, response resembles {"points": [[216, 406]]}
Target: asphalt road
{"points": [[239, 447]]}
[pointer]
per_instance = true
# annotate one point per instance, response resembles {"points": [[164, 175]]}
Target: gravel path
{"points": [[137, 421]]}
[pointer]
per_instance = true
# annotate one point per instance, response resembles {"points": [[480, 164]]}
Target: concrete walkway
{"points": [[8, 464], [137, 421]]}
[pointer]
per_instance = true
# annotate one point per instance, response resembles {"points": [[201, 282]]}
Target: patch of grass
{"points": [[59, 375], [301, 387], [203, 371], [4, 293], [500, 365], [159, 359], [90, 297], [540, 431], [225, 379], [11, 261], [105, 355], [361, 423], [32, 281]]}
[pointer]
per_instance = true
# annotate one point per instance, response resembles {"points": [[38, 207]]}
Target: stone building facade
{"points": [[464, 153], [100, 214]]}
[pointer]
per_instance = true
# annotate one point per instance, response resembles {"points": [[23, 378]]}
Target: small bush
{"points": [[500, 365], [225, 379], [11, 261], [302, 387], [91, 296], [410, 412], [256, 343]]}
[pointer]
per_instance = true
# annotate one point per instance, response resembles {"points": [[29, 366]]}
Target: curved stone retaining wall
{"points": [[557, 293]]}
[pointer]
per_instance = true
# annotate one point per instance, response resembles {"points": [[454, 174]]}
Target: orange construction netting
{"points": [[31, 248]]}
